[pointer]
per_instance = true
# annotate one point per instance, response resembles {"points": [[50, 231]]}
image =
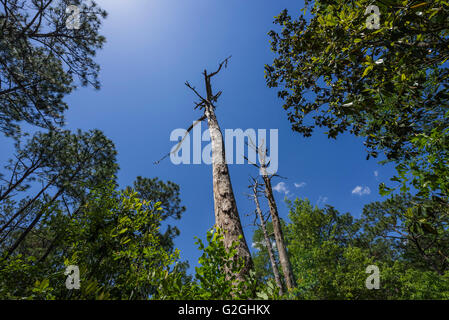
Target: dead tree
{"points": [[255, 196], [226, 215], [277, 229]]}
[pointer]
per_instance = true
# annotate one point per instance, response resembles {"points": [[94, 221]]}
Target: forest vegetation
{"points": [[61, 203]]}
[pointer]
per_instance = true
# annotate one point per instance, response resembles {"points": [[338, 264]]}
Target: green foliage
{"points": [[17, 277], [217, 275], [121, 244], [427, 172], [388, 85], [322, 258], [330, 251], [167, 193], [219, 268], [261, 259], [58, 168], [39, 58], [416, 233], [75, 161], [269, 291], [115, 242]]}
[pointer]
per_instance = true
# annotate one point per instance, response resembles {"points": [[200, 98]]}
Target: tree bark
{"points": [[226, 214], [278, 235], [274, 266]]}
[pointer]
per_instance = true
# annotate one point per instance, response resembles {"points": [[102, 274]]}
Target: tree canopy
{"points": [[387, 84], [40, 57]]}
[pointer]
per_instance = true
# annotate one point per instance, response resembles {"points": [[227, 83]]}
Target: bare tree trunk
{"points": [[278, 235], [277, 229], [274, 266], [226, 214]]}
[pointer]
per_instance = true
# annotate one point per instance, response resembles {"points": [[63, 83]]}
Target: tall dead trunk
{"points": [[277, 229], [274, 266], [278, 235], [226, 214]]}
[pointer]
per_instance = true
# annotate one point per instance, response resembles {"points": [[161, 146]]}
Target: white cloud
{"points": [[300, 185], [281, 187], [376, 173], [259, 245], [380, 61], [359, 190], [322, 200]]}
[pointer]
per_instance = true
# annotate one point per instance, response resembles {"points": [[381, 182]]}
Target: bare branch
{"points": [[224, 62], [194, 90], [182, 140]]}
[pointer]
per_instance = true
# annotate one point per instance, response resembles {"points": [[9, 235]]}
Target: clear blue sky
{"points": [[153, 47]]}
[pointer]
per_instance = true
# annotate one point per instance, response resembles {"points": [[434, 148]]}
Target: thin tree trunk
{"points": [[29, 203], [274, 266], [13, 186], [278, 235], [31, 226], [40, 214]]}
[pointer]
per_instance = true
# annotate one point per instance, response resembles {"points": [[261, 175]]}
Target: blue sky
{"points": [[153, 47]]}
